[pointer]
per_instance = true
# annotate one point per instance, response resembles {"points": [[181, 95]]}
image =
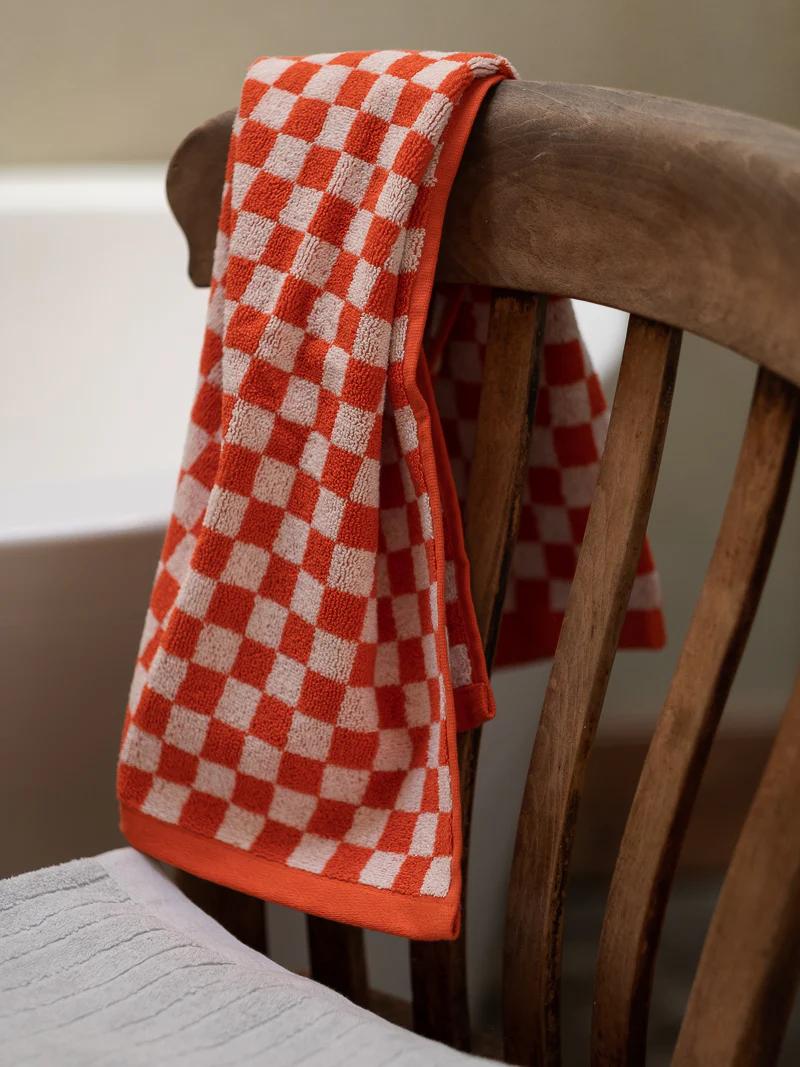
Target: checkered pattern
{"points": [[310, 639], [292, 688], [569, 431]]}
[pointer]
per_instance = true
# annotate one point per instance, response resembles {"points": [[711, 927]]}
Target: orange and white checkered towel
{"points": [[310, 648]]}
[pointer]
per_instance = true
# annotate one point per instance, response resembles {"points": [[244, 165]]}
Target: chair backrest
{"points": [[689, 218]]}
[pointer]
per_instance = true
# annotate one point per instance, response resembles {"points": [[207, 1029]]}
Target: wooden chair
{"points": [[689, 218]]}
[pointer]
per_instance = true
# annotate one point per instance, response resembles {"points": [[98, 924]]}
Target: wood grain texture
{"points": [[508, 398], [241, 915], [683, 735], [597, 602], [337, 957], [575, 189], [750, 965]]}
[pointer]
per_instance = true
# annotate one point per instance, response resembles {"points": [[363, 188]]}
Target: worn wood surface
{"points": [[337, 957], [595, 609], [240, 914], [505, 416], [579, 190], [749, 969], [682, 738]]}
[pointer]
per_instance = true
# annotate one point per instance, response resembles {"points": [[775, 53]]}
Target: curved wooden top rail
{"points": [[574, 189]]}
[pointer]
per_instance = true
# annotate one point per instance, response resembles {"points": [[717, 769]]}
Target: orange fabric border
{"points": [[420, 918]]}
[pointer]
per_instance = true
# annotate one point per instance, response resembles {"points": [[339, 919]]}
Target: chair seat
{"points": [[105, 961]]}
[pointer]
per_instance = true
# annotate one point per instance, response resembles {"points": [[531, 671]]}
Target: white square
{"points": [[216, 648], [141, 749], [381, 100], [191, 498], [407, 621], [263, 289], [225, 511], [417, 704], [250, 426], [554, 527], [371, 343], [367, 827], [409, 797], [396, 198], [381, 869], [424, 838], [266, 622], [359, 709], [332, 656], [357, 232], [309, 737], [314, 260], [286, 680], [394, 525], [351, 177], [292, 808], [406, 429], [460, 665], [312, 853], [246, 566], [344, 784], [314, 455], [287, 156], [239, 827], [429, 656], [437, 881], [323, 319], [352, 569], [352, 429], [395, 751], [391, 144], [195, 594], [334, 369], [250, 235], [433, 117], [273, 482], [434, 74], [366, 487], [273, 108], [292, 538], [178, 562], [186, 729], [307, 597], [361, 284], [166, 674], [259, 760], [279, 343], [336, 126], [242, 179], [269, 69], [300, 402], [328, 511], [165, 800], [326, 83], [301, 207], [238, 704], [215, 779], [387, 664]]}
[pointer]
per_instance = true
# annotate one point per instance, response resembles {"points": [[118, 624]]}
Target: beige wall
{"points": [[121, 79]]}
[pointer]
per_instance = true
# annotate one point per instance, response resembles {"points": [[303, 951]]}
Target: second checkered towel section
{"points": [[310, 649]]}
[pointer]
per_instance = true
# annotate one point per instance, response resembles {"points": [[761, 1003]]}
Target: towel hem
{"points": [[419, 918]]}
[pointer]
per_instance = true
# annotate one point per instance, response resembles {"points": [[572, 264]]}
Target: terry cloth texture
{"points": [[104, 963], [311, 647]]}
